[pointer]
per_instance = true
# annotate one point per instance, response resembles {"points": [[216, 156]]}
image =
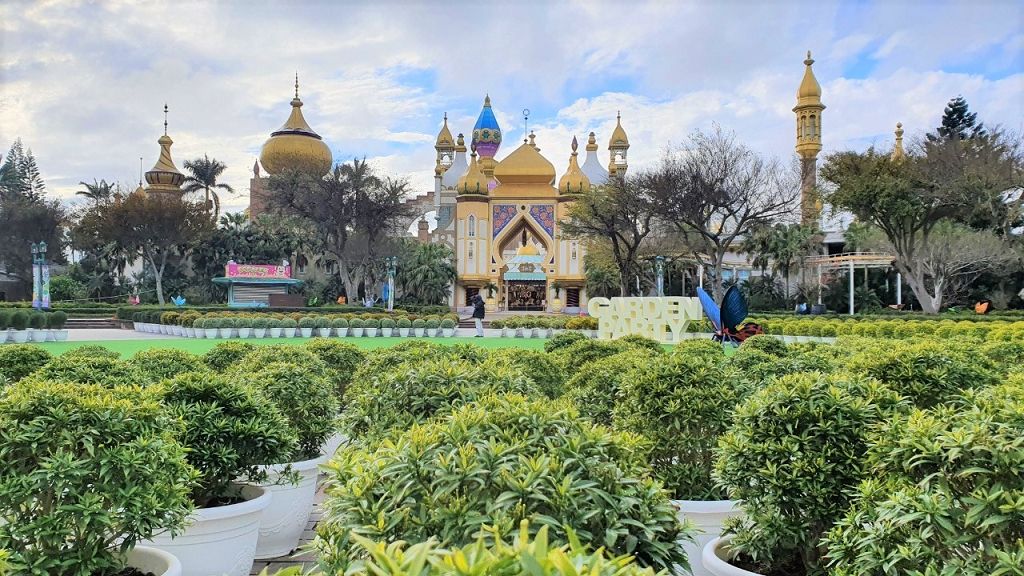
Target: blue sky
{"points": [[84, 83]]}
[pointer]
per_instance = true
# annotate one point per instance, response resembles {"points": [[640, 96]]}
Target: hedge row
{"points": [[188, 318], [999, 330], [127, 313]]}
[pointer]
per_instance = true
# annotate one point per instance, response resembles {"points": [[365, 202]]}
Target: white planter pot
{"points": [[357, 332], [275, 332], [150, 560], [290, 332], [37, 335], [341, 332], [220, 540], [714, 559], [49, 336], [449, 332], [504, 332], [430, 332], [225, 332], [333, 443], [306, 332], [418, 332], [370, 332], [190, 332], [19, 336], [403, 332], [707, 516], [259, 332], [245, 332], [386, 332], [323, 332], [60, 335], [282, 523], [211, 333]]}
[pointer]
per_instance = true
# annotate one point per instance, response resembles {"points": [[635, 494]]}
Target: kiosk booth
{"points": [[253, 285], [525, 282]]}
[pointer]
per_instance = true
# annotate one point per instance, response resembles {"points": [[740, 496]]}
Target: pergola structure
{"points": [[851, 261]]}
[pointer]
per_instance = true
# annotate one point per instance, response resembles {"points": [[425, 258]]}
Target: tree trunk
{"points": [[158, 273], [915, 281]]}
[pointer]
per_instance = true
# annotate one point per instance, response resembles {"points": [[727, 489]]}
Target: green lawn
{"points": [[200, 345]]}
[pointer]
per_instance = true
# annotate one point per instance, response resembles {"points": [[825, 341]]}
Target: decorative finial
{"points": [[472, 147], [296, 85], [526, 122], [575, 145], [487, 100], [140, 171], [809, 60], [445, 117], [618, 116], [165, 118], [899, 128]]}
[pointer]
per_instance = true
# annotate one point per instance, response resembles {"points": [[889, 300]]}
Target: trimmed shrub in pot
{"points": [[527, 460], [18, 361], [418, 326], [85, 474], [37, 326], [19, 323], [306, 326], [211, 327], [403, 326], [230, 431], [275, 327], [448, 327], [341, 360], [793, 455], [431, 325], [355, 326], [227, 328], [244, 327], [340, 326], [387, 327], [307, 401], [370, 326], [5, 323], [288, 327], [56, 321], [323, 326], [158, 364], [260, 327], [943, 493], [226, 355]]}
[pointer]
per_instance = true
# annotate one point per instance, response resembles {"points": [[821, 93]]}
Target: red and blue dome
{"points": [[486, 133]]}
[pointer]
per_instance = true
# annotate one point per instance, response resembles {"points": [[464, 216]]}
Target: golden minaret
{"points": [[897, 150], [808, 141]]}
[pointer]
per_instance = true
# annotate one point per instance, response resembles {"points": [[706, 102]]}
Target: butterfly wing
{"points": [[734, 308], [710, 309]]}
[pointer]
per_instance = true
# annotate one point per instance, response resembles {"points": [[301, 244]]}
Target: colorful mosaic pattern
{"points": [[544, 214], [501, 215]]}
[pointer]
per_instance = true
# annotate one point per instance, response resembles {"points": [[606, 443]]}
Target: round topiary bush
{"points": [[230, 430], [928, 373], [226, 355], [682, 405], [262, 356], [19, 320], [594, 388], [20, 360], [305, 398], [37, 320], [410, 351], [699, 348], [943, 494], [84, 370], [342, 361], [538, 366], [563, 339], [91, 351], [581, 353], [496, 463], [1005, 355], [637, 341], [768, 344], [396, 399], [793, 454], [161, 363], [86, 472]]}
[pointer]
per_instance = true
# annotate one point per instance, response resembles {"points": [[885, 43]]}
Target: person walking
{"points": [[478, 314]]}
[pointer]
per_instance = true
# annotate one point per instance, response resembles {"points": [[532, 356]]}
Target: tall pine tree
{"points": [[19, 173], [958, 122]]}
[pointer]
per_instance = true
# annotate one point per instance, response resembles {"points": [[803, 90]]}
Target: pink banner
{"points": [[233, 270]]}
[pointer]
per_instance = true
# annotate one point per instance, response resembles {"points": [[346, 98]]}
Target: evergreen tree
{"points": [[19, 173], [958, 122]]}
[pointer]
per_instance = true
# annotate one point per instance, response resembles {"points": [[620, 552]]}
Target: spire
{"points": [[897, 150], [808, 111], [444, 137], [592, 143], [809, 87], [574, 181], [592, 166], [164, 177], [619, 140], [532, 142], [486, 132], [474, 181], [296, 85], [165, 118]]}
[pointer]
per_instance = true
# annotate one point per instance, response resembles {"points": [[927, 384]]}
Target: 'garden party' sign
{"points": [[663, 319]]}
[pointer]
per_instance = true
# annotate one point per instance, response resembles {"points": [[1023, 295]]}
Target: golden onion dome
{"points": [[525, 165], [295, 145], [164, 177], [618, 139], [809, 87], [574, 181], [444, 137], [528, 250], [473, 181]]}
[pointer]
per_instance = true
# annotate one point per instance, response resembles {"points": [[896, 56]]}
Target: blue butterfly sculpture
{"points": [[726, 319], [178, 300]]}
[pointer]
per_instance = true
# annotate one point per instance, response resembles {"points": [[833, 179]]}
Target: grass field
{"points": [[200, 345]]}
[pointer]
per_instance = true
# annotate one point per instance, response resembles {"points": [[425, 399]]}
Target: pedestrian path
{"points": [[305, 559]]}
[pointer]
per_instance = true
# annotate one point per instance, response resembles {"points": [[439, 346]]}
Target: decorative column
{"points": [[392, 264], [659, 274]]}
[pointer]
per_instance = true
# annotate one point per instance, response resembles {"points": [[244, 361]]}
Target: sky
{"points": [[83, 84]]}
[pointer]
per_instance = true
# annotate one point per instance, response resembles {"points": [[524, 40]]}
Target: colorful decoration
{"points": [[486, 133], [726, 319], [544, 215], [235, 270], [502, 214]]}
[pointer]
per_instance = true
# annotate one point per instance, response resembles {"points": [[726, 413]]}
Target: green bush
{"points": [[371, 325], [928, 373], [419, 323], [414, 392], [944, 494], [19, 320], [261, 323], [447, 324], [355, 323], [793, 454], [641, 342], [37, 320], [288, 323], [5, 319], [86, 472], [699, 348], [339, 323], [91, 351], [307, 322], [404, 323], [1006, 355], [594, 388], [305, 398], [230, 431], [768, 344], [433, 324], [561, 340], [496, 463], [581, 353], [161, 363], [387, 323], [225, 355], [91, 370], [20, 360], [56, 320], [682, 404], [341, 359], [538, 366], [322, 322]]}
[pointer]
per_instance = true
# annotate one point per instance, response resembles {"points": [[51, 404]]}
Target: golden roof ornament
{"points": [[809, 89], [164, 177], [592, 142], [574, 181], [295, 145], [898, 155], [473, 181], [444, 137], [460, 144], [525, 165], [619, 138]]}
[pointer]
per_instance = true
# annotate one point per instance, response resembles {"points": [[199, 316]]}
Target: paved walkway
{"points": [[92, 334]]}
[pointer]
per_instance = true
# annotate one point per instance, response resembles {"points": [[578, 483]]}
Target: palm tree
{"points": [[202, 175], [98, 192]]}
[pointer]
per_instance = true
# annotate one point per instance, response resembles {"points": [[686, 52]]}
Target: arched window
{"points": [[472, 227], [573, 251], [470, 250], [814, 126]]}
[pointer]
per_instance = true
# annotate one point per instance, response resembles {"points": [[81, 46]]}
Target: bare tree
{"points": [[715, 190]]}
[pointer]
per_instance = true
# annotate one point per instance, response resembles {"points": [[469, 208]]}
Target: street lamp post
{"points": [[40, 276], [659, 274], [392, 264]]}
